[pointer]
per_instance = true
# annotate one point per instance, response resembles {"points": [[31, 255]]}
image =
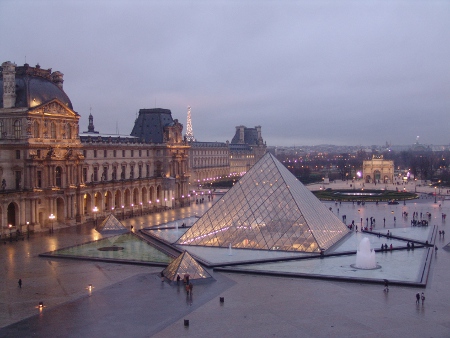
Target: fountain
{"points": [[229, 250], [365, 256]]}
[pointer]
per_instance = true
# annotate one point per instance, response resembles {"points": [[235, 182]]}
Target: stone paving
{"points": [[130, 300]]}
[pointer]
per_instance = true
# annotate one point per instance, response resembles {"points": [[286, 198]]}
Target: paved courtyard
{"points": [[131, 301]]}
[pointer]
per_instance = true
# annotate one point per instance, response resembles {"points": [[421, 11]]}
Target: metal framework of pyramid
{"points": [[268, 209], [111, 225], [185, 264]]}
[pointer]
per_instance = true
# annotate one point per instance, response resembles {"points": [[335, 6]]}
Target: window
{"points": [[114, 153], [132, 171], [123, 153], [68, 131], [53, 130], [140, 153], [132, 153], [95, 153], [58, 174], [105, 153], [36, 131], [39, 153], [18, 176], [122, 175], [17, 154], [140, 170], [114, 173], [95, 174], [148, 152], [84, 153], [105, 173], [17, 129], [39, 179], [85, 174], [148, 170]]}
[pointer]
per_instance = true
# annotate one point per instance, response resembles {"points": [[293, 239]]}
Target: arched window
{"points": [[58, 177], [17, 129], [53, 130], [36, 132]]}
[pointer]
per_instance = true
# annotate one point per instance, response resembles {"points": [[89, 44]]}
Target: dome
{"points": [[36, 86]]}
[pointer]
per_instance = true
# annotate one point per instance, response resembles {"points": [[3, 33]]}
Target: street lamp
{"points": [[435, 195], [95, 215], [52, 218], [10, 232], [28, 229], [123, 212], [141, 208], [132, 210]]}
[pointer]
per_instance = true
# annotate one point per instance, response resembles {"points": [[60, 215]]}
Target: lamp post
{"points": [[28, 229], [132, 210], [141, 208], [52, 218], [435, 195], [95, 215], [10, 232], [123, 212]]}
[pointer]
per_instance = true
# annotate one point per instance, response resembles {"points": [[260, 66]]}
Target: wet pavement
{"points": [[128, 300]]}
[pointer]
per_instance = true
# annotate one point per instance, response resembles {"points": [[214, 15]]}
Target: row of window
{"points": [[210, 152], [116, 152], [17, 129], [104, 176], [66, 131]]}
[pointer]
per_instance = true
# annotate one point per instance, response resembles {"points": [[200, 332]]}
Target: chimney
{"points": [[9, 84], [57, 78], [241, 134]]}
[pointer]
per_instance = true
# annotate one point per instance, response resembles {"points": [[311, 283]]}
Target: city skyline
{"points": [[308, 72]]}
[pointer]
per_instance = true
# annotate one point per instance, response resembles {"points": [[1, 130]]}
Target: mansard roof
{"points": [[149, 126]]}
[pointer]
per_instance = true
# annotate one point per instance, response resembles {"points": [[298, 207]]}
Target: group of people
{"points": [[187, 284]]}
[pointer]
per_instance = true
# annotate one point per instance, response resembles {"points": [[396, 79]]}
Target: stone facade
{"points": [[208, 161], [378, 170]]}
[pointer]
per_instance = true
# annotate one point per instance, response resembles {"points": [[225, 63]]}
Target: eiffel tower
{"points": [[189, 132]]}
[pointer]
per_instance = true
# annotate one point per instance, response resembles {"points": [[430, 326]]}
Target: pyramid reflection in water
{"points": [[268, 209]]}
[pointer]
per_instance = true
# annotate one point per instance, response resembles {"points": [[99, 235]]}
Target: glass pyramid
{"points": [[185, 264], [268, 209], [111, 225]]}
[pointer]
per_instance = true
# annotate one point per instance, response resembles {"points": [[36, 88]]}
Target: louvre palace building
{"points": [[52, 174]]}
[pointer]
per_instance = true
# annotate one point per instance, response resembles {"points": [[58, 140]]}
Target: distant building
{"points": [[378, 170], [246, 148], [211, 161]]}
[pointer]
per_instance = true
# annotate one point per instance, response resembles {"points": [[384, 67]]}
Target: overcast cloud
{"points": [[308, 72]]}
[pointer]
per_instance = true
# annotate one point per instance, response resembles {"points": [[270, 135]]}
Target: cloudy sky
{"points": [[309, 72]]}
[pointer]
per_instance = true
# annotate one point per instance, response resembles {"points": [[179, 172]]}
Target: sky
{"points": [[308, 72]]}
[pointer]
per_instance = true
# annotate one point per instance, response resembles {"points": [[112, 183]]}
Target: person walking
{"points": [[190, 288], [20, 283], [417, 298], [423, 298]]}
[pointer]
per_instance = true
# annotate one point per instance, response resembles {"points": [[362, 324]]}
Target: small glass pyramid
{"points": [[111, 225], [268, 209], [185, 264]]}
